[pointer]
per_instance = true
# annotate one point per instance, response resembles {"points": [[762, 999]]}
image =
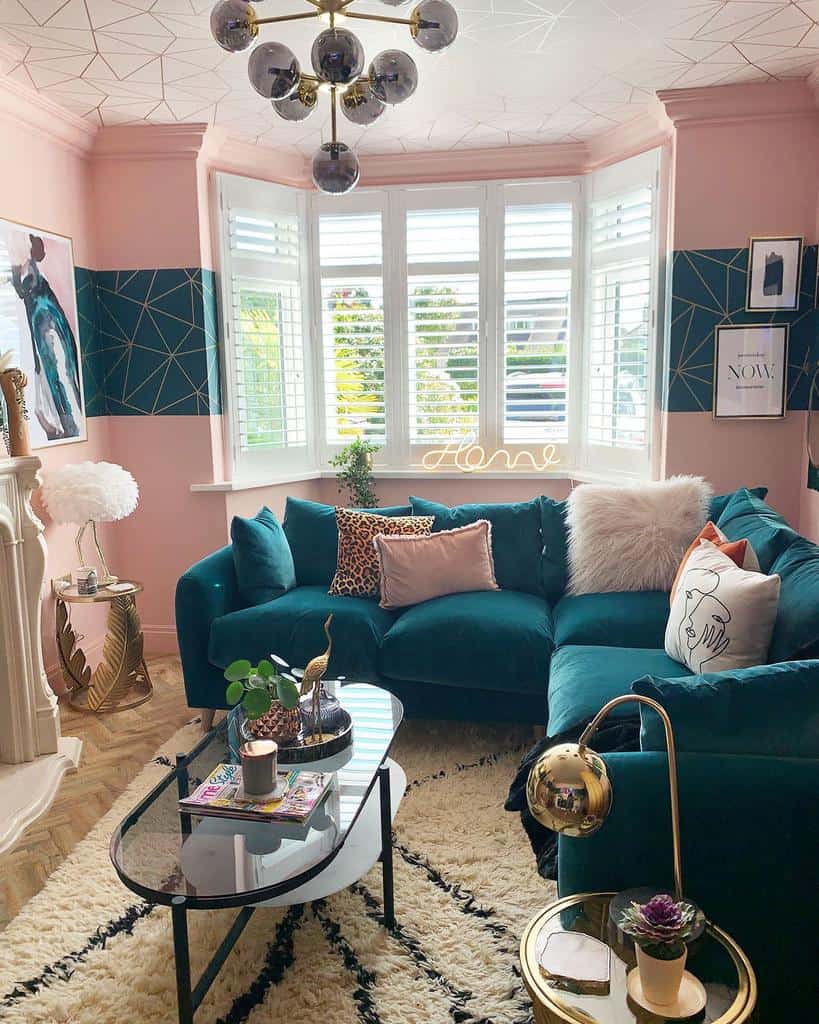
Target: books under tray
{"points": [[298, 793]]}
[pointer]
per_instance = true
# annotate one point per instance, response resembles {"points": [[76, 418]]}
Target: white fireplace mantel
{"points": [[33, 755]]}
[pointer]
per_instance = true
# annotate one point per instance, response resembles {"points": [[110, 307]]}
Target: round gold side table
{"points": [[121, 679], [715, 959]]}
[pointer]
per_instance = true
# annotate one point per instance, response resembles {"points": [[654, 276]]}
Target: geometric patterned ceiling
{"points": [[521, 71]]}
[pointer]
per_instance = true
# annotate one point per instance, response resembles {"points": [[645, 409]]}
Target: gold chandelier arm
{"points": [[590, 730], [381, 17], [288, 17]]}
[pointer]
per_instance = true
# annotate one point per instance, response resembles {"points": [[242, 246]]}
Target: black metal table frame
{"points": [[189, 997]]}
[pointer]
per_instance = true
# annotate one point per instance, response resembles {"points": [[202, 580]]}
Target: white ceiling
{"points": [[520, 72]]}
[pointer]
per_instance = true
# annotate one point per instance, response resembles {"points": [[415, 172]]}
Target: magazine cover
{"points": [[219, 795]]}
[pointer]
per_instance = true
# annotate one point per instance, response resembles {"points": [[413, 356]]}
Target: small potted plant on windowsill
{"points": [[660, 929], [269, 700], [355, 463]]}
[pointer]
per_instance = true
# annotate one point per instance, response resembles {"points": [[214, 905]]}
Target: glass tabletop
{"points": [[160, 853], [598, 994]]}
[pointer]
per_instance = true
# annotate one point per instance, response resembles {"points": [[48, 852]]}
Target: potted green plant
{"points": [[355, 462], [269, 699], [660, 929]]}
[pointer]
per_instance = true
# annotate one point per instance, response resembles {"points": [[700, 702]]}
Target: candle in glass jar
{"points": [[259, 763]]}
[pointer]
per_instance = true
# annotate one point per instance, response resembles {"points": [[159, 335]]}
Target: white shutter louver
{"points": [[536, 322], [443, 284], [352, 326], [618, 412]]}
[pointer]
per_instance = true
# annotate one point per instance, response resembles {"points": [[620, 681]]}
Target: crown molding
{"points": [[220, 152], [647, 130], [35, 111], [178, 141], [732, 104]]}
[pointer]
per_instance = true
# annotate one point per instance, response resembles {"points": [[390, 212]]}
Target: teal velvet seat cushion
{"points": [[516, 538], [311, 531], [262, 558], [583, 679], [495, 640], [634, 619], [769, 710], [554, 559], [796, 631], [292, 627], [746, 516], [720, 501]]}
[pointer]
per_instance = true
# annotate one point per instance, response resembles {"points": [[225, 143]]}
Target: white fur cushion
{"points": [[633, 537], [722, 616]]}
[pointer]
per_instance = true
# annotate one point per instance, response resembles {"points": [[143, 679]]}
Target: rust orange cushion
{"points": [[357, 568], [739, 551]]}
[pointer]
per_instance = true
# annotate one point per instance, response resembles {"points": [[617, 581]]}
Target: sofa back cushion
{"points": [[516, 537], [311, 531], [720, 501], [768, 709], [768, 533], [261, 557], [796, 632], [554, 559]]}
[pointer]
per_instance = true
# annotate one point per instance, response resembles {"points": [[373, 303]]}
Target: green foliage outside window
{"points": [[261, 367]]}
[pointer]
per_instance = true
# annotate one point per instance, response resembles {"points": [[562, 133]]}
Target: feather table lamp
{"points": [[88, 493]]}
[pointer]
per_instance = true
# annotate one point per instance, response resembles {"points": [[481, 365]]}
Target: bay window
{"points": [[515, 314]]}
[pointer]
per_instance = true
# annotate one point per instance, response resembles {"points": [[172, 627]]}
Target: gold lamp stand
{"points": [[106, 573]]}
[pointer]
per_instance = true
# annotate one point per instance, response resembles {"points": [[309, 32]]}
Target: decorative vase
{"points": [[660, 979], [279, 723], [330, 713]]}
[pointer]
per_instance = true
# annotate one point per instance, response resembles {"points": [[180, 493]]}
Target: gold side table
{"points": [[715, 959], [121, 680]]}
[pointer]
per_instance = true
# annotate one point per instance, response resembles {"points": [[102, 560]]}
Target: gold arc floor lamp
{"points": [[569, 790]]}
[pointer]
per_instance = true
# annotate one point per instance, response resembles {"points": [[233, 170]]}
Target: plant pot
{"points": [[280, 724], [660, 979]]}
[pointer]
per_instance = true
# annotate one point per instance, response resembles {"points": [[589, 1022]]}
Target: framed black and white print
{"points": [[750, 371], [774, 274]]}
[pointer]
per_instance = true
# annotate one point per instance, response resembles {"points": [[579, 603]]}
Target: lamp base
{"points": [[642, 894]]}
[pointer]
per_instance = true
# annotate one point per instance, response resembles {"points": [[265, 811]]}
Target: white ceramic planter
{"points": [[660, 979]]}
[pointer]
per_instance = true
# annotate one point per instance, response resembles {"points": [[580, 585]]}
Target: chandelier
{"points": [[337, 58]]}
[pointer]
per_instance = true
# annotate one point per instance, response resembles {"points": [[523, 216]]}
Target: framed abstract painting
{"points": [[774, 274], [38, 322], [750, 371]]}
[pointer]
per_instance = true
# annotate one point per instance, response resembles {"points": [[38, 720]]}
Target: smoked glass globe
{"points": [[360, 106], [436, 25], [393, 76], [274, 71], [298, 106], [233, 25], [335, 169], [395, 3], [337, 56]]}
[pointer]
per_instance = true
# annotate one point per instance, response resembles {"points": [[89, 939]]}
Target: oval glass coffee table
{"points": [[591, 996], [192, 863]]}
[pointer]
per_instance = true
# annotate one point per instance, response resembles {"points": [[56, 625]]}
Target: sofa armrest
{"points": [[206, 591], [750, 849]]}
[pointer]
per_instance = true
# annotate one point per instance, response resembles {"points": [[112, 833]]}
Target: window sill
{"points": [[562, 474]]}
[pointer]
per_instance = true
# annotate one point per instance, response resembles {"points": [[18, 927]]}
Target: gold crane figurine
{"points": [[313, 673]]}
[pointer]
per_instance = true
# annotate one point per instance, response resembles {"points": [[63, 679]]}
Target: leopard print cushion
{"points": [[357, 572]]}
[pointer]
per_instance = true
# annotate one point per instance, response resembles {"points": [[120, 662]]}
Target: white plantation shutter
{"points": [[621, 286], [262, 252], [538, 244], [443, 304], [352, 326]]}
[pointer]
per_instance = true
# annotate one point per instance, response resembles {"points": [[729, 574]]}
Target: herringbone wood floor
{"points": [[115, 748]]}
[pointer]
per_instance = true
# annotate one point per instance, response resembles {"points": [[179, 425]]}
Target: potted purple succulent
{"points": [[660, 929]]}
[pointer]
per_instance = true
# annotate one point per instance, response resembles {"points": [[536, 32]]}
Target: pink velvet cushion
{"points": [[415, 569]]}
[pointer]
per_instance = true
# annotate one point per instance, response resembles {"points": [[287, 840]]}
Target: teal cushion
{"points": [[492, 640], [768, 709], [292, 627], [634, 619], [746, 516], [554, 559], [583, 679], [796, 632], [516, 539], [262, 558], [311, 531], [720, 501]]}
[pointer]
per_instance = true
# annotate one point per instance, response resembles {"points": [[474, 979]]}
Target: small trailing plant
{"points": [[257, 686], [660, 926], [356, 474]]}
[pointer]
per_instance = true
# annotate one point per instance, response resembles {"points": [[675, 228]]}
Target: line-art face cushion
{"points": [[722, 616], [739, 551], [357, 569]]}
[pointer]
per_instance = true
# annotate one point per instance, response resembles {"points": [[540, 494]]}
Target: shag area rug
{"points": [[86, 950]]}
